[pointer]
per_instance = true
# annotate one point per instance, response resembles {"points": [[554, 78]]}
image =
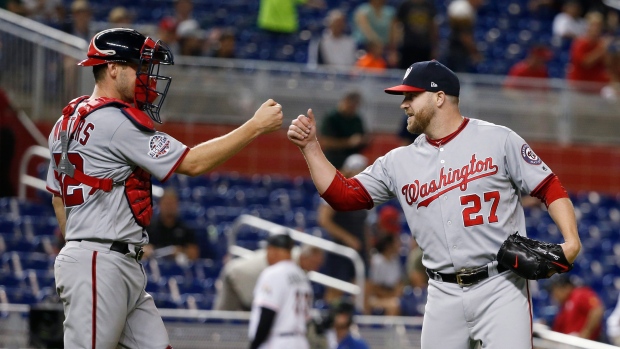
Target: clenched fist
{"points": [[268, 117]]}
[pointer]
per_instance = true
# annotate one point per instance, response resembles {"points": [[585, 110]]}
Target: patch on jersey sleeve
{"points": [[266, 289], [529, 156], [158, 146]]}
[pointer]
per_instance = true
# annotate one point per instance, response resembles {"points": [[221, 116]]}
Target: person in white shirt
{"points": [[335, 48], [613, 325], [569, 24], [282, 300]]}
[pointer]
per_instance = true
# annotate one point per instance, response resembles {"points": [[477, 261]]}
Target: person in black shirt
{"points": [[342, 131], [415, 34], [167, 229]]}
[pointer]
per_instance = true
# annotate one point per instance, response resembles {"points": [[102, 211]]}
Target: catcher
{"points": [[104, 149]]}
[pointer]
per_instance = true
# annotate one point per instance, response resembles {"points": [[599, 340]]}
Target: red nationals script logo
{"points": [[452, 179]]}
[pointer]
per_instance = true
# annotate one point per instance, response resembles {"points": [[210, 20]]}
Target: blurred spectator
{"points": [[183, 10], [384, 285], [544, 9], [236, 282], [372, 22], [415, 32], [388, 221], [372, 61], [343, 321], [191, 38], [167, 32], [335, 47], [611, 91], [588, 56], [225, 44], [613, 325], [120, 17], [534, 65], [280, 16], [44, 11], [348, 228], [167, 29], [16, 7], [342, 131], [612, 23], [462, 53], [169, 232], [569, 24], [581, 310], [238, 277], [416, 272], [81, 16]]}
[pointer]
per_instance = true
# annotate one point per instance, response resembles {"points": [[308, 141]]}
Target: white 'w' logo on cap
{"points": [[433, 84]]}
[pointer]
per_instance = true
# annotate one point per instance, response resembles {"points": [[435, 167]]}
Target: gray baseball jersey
{"points": [[284, 288], [461, 198], [102, 289], [108, 145]]}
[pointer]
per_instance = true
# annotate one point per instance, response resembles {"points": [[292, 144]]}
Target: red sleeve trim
{"points": [[549, 190], [174, 168], [55, 192], [347, 194]]}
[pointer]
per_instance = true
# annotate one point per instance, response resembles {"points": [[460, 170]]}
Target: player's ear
{"points": [[113, 69], [440, 98]]}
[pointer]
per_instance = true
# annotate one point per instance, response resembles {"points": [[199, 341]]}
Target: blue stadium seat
{"points": [[10, 280], [156, 286], [170, 268], [19, 295]]}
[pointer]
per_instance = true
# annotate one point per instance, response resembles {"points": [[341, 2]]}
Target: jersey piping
{"points": [[174, 168], [448, 138]]}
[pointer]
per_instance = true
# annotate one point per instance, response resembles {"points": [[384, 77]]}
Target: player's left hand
{"points": [[302, 130]]}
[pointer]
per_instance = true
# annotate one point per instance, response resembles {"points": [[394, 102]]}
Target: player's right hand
{"points": [[302, 130], [268, 117]]}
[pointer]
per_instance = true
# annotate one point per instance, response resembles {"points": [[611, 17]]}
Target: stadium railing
{"points": [[356, 289], [197, 329]]}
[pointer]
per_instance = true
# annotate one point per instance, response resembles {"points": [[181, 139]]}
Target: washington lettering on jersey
{"points": [[448, 180]]}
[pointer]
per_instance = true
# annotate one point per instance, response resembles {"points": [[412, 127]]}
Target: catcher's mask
{"points": [[129, 46]]}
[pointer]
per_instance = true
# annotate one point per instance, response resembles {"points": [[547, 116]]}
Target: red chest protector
{"points": [[138, 184]]}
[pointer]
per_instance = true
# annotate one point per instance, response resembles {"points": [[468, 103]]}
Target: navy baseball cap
{"points": [[429, 76], [281, 240]]}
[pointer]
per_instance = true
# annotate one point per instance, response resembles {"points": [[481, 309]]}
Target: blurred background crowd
{"points": [[568, 39], [187, 261]]}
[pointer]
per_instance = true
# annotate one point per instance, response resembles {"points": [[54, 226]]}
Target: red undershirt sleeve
{"points": [[549, 190], [347, 194]]}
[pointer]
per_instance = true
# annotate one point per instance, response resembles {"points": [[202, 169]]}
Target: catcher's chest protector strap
{"points": [[137, 117]]}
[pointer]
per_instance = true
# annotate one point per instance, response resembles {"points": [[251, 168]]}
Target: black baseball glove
{"points": [[532, 259]]}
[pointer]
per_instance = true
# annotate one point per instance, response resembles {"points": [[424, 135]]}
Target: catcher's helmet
{"points": [[129, 46]]}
